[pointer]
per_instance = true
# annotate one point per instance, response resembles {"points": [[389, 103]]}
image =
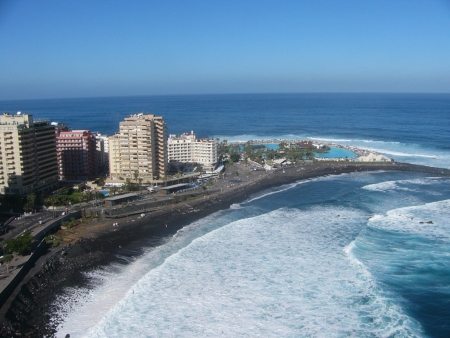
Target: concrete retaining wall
{"points": [[52, 224], [26, 267]]}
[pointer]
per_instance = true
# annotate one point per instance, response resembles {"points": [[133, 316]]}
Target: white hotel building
{"points": [[186, 148]]}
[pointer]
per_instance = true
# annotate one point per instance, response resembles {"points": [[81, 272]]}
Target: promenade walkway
{"points": [[20, 265]]}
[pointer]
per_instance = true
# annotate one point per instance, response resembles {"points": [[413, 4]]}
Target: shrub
{"points": [[20, 245], [52, 240]]}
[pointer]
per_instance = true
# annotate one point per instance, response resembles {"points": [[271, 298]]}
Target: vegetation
{"points": [[29, 205], [113, 190], [20, 245], [70, 224], [53, 240], [100, 181], [235, 156], [261, 154], [67, 196], [130, 186]]}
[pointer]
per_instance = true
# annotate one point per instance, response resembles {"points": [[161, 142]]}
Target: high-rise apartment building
{"points": [[76, 154], [187, 148], [27, 154], [102, 156], [139, 147]]}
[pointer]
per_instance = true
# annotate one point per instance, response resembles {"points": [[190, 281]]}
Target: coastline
{"points": [[61, 267]]}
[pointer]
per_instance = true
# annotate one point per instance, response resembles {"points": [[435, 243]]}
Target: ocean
{"points": [[360, 255]]}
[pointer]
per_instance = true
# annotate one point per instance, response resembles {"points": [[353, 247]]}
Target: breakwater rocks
{"points": [[29, 313]]}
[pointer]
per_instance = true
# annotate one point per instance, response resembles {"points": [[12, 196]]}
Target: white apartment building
{"points": [[187, 148], [27, 154], [102, 154], [139, 147]]}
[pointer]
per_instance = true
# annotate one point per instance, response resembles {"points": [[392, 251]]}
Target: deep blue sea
{"points": [[356, 255]]}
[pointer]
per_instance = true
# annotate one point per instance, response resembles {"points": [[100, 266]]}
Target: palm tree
{"points": [[29, 205], [113, 190], [127, 185], [52, 200], [140, 184]]}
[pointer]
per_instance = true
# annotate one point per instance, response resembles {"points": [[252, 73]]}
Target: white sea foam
{"points": [[280, 274], [415, 220], [400, 184], [273, 191], [399, 153], [333, 140], [235, 206], [337, 140]]}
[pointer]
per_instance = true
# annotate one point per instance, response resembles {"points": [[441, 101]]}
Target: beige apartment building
{"points": [[140, 147], [27, 154], [187, 148]]}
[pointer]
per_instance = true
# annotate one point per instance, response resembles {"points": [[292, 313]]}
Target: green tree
{"points": [[310, 154], [29, 205], [249, 151], [140, 179], [235, 157], [101, 181], [113, 190], [282, 145], [20, 244], [223, 148], [128, 186], [98, 195], [51, 201]]}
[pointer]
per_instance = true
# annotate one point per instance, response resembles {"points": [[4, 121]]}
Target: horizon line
{"points": [[218, 94]]}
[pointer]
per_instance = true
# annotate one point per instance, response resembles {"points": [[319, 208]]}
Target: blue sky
{"points": [[55, 49]]}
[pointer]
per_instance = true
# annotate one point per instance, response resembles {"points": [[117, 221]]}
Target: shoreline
{"points": [[31, 310], [358, 151]]}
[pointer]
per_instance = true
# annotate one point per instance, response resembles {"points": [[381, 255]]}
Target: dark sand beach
{"points": [[32, 313]]}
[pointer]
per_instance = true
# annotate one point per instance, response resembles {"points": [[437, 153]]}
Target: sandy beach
{"points": [[32, 312]]}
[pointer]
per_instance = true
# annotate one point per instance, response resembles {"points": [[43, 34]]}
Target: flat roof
{"points": [[174, 186], [118, 197]]}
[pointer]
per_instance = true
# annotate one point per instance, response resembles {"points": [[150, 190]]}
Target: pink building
{"points": [[76, 154]]}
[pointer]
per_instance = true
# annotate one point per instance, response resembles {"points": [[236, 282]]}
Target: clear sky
{"points": [[55, 49]]}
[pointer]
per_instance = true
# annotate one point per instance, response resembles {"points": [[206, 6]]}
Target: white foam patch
{"points": [[272, 191], [337, 140], [397, 185], [333, 140], [362, 176], [398, 153], [75, 305], [110, 284], [281, 274], [427, 220]]}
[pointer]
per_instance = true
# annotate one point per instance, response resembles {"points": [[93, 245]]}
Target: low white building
{"points": [[186, 148]]}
